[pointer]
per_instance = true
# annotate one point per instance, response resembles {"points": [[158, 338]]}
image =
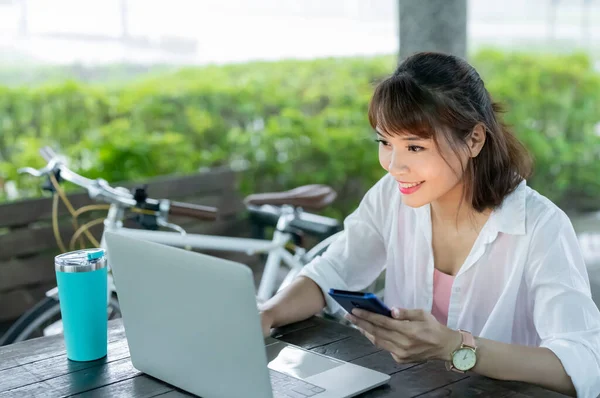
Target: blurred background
{"points": [[277, 90]]}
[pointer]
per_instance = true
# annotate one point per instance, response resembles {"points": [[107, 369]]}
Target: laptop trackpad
{"points": [[298, 363]]}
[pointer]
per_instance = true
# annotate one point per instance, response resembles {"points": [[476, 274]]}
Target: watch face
{"points": [[464, 359]]}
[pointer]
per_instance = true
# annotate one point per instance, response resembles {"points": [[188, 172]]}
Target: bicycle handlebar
{"points": [[191, 210], [99, 189]]}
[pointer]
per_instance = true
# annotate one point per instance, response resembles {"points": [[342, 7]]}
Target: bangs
{"points": [[400, 107]]}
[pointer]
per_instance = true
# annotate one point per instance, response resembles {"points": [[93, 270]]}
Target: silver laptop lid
{"points": [[190, 319]]}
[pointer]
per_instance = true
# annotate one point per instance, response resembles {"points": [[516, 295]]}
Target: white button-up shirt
{"points": [[524, 281]]}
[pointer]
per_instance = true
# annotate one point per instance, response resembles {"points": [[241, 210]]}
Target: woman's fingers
{"points": [[398, 354], [381, 337], [378, 341], [379, 320], [406, 328], [409, 315]]}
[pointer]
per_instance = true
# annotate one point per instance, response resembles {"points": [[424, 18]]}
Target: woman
{"points": [[486, 271]]}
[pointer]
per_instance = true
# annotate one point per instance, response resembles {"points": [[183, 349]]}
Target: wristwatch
{"points": [[465, 356]]}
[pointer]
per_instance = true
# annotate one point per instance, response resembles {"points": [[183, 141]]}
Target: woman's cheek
{"points": [[384, 158]]}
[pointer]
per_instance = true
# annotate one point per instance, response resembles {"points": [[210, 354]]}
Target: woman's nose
{"points": [[397, 165]]}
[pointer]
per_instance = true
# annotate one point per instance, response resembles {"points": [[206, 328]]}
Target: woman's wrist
{"points": [[450, 342]]}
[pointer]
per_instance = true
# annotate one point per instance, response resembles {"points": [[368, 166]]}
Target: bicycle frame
{"points": [[277, 254]]}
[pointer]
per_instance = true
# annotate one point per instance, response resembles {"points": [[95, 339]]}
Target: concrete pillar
{"points": [[433, 25]]}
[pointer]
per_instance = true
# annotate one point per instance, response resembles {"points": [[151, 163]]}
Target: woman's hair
{"points": [[432, 95]]}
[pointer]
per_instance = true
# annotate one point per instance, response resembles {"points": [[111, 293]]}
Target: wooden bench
{"points": [[28, 245]]}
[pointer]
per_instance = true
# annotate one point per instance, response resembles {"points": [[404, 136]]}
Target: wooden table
{"points": [[39, 368]]}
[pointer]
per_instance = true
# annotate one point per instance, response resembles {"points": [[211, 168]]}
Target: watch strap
{"points": [[467, 339]]}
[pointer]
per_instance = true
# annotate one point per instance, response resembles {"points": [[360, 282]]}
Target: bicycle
{"points": [[282, 210]]}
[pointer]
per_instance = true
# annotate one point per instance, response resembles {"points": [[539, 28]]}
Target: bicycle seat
{"points": [[313, 197]]}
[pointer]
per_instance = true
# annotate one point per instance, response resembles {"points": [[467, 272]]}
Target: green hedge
{"points": [[291, 122]]}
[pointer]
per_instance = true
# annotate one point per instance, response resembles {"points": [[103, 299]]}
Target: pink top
{"points": [[442, 288]]}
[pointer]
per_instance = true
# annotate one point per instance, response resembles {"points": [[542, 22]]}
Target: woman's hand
{"points": [[410, 336], [266, 322]]}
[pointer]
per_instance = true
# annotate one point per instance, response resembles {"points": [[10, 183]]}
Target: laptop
{"points": [[192, 321]]}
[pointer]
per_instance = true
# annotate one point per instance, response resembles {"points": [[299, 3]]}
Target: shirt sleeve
{"points": [[357, 257], [564, 314]]}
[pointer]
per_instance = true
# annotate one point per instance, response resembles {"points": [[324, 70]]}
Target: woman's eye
{"points": [[382, 142], [415, 148]]}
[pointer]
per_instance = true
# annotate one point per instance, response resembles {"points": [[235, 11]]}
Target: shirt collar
{"points": [[507, 218]]}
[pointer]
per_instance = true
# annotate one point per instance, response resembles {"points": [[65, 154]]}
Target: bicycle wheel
{"points": [[44, 315]]}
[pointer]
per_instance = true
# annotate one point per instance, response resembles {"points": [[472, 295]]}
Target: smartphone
{"points": [[364, 301]]}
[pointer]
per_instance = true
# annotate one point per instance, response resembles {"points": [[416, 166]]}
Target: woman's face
{"points": [[417, 165]]}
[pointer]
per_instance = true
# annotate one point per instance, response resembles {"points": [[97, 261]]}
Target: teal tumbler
{"points": [[82, 291]]}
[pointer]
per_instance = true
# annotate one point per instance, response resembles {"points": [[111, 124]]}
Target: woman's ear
{"points": [[476, 140]]}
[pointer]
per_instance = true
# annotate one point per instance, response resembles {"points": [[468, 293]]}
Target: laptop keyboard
{"points": [[285, 386]]}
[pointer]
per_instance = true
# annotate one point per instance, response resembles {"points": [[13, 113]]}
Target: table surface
{"points": [[39, 368]]}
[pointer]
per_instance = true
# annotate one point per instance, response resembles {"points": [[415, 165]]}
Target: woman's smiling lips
{"points": [[406, 188]]}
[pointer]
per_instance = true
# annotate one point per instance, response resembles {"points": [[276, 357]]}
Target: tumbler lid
{"points": [[95, 254], [80, 261]]}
